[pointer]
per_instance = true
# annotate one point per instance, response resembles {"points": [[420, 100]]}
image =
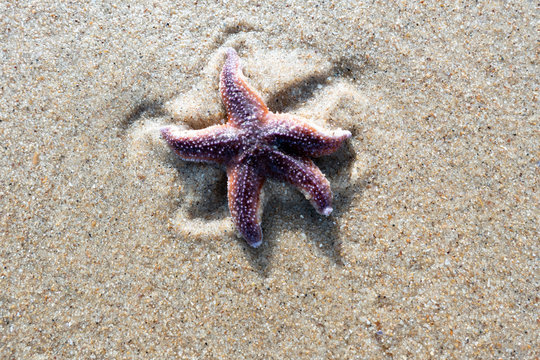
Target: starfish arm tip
{"points": [[253, 235], [327, 211], [344, 134], [347, 133], [255, 244], [170, 133], [166, 131]]}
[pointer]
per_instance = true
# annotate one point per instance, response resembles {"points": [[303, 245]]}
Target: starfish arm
{"points": [[295, 135], [305, 175], [244, 193], [216, 143], [243, 103]]}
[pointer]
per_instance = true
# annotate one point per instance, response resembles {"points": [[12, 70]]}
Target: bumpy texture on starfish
{"points": [[255, 144]]}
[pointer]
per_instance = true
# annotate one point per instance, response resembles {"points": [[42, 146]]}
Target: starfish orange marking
{"points": [[255, 144]]}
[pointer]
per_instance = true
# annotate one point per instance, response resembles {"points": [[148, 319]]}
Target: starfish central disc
{"points": [[256, 144]]}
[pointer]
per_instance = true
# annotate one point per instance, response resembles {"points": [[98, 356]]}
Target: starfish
{"points": [[255, 144]]}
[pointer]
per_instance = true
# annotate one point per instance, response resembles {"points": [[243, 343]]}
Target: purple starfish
{"points": [[255, 144]]}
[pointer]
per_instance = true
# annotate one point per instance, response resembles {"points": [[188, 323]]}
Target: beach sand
{"points": [[113, 247]]}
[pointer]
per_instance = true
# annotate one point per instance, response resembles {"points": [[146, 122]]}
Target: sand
{"points": [[112, 247]]}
